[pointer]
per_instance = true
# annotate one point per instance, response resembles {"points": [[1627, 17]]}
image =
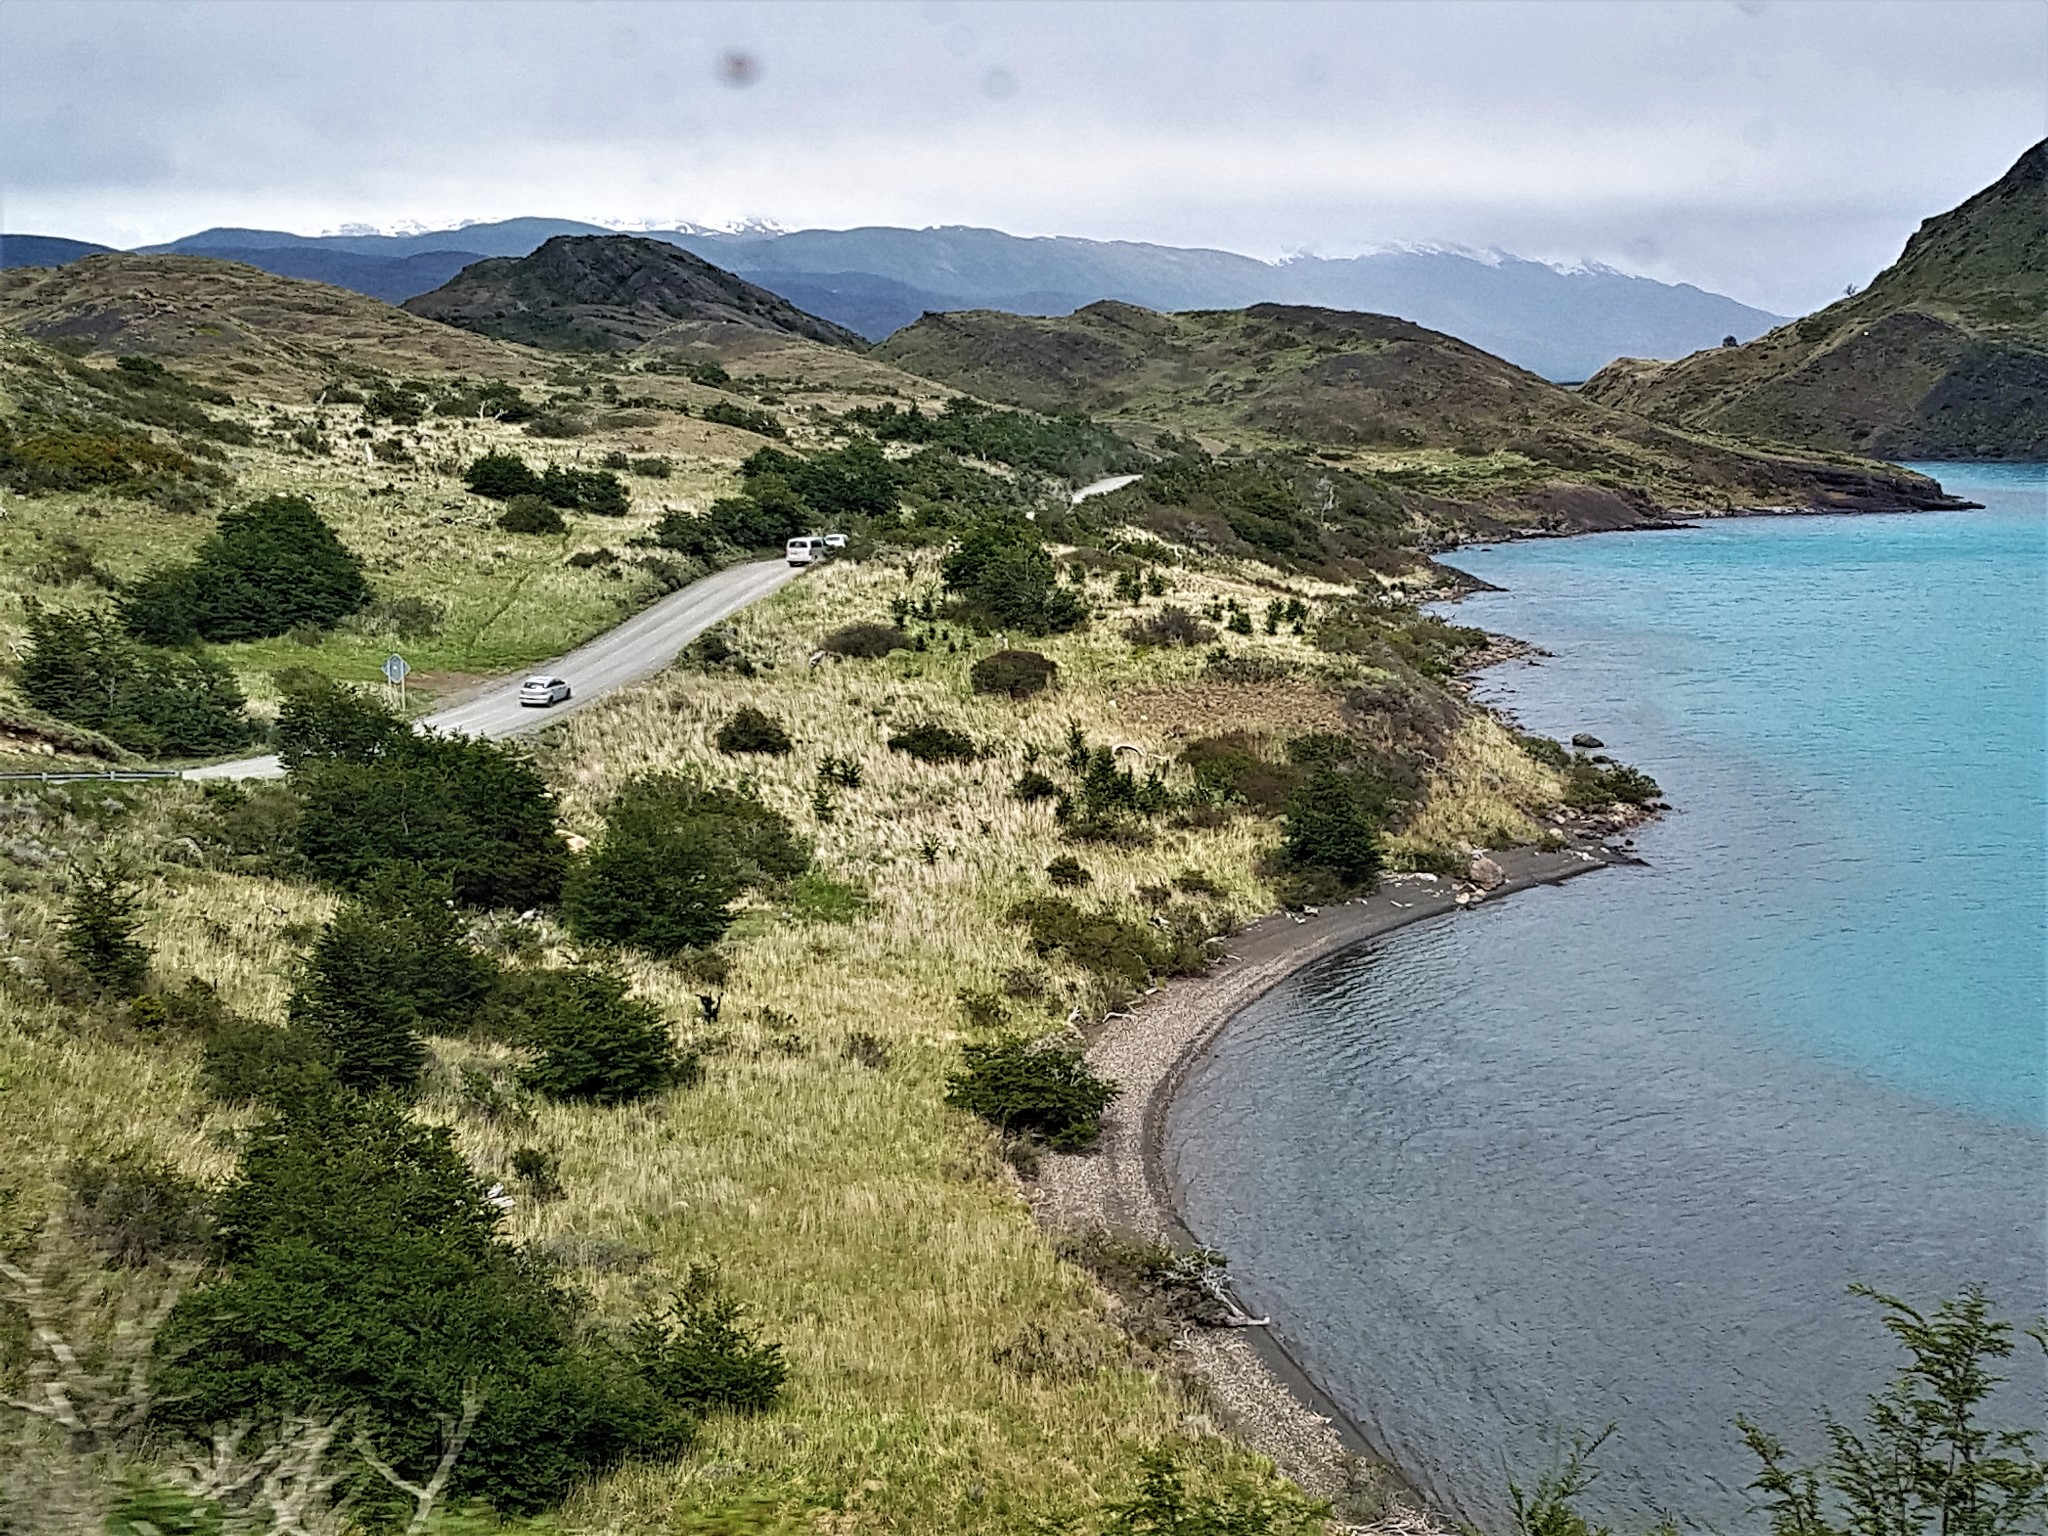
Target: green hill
{"points": [[613, 293], [1452, 428], [1944, 355]]}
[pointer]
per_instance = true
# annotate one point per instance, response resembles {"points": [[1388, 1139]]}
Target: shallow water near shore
{"points": [[1614, 1151]]}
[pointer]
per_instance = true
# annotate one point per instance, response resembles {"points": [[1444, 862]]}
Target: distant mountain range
{"points": [[1563, 324]]}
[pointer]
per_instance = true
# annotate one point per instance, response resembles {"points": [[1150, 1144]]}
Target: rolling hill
{"points": [[1943, 356], [613, 293], [44, 251], [1563, 324], [1427, 412]]}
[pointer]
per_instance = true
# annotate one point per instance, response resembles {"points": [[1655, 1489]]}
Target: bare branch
{"points": [[454, 1436]]}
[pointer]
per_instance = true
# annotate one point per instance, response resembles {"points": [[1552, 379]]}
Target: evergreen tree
{"points": [[272, 567], [359, 1268], [100, 924], [320, 720], [1332, 826], [393, 964], [501, 476], [82, 667]]}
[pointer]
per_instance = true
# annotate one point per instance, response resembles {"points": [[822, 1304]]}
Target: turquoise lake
{"points": [[1613, 1152]]}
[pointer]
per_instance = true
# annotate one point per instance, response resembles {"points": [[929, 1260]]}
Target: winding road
{"points": [[638, 648]]}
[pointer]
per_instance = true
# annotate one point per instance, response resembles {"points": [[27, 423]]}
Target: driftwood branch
{"points": [[454, 1436]]}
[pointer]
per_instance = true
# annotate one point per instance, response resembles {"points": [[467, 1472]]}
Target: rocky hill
{"points": [[1441, 419], [1943, 356], [613, 293], [237, 326]]}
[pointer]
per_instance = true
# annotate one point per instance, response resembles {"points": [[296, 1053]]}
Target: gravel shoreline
{"points": [[1121, 1186]]}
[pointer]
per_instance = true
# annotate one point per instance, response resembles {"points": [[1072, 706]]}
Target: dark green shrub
{"points": [[248, 1061], [135, 1210], [1549, 752], [596, 491], [271, 567], [393, 965], [595, 1043], [162, 607], [649, 469], [100, 924], [749, 729], [1003, 573], [1171, 626], [501, 476], [360, 1268], [321, 720], [527, 513], [930, 742], [1332, 826], [1033, 786], [1019, 674], [674, 854], [1232, 769], [1103, 941], [59, 457], [869, 642], [728, 413], [1246, 1506], [839, 772], [471, 811], [84, 669], [1032, 1090], [1590, 786], [697, 1355], [1068, 872]]}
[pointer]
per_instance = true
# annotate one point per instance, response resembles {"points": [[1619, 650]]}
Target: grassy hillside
{"points": [[1944, 354], [1448, 427], [613, 292]]}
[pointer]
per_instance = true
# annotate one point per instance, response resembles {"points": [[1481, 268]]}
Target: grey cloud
{"points": [[1774, 151]]}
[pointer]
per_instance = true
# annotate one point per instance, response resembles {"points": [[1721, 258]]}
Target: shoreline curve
{"points": [[1266, 1398]]}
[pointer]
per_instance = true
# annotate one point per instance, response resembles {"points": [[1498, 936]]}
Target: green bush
{"points": [[100, 924], [1068, 447], [729, 413], [697, 1354], [1017, 674], [930, 742], [135, 1210], [1332, 826], [1033, 786], [269, 568], [649, 469], [674, 855], [1245, 1506], [1032, 1090], [1005, 576], [748, 729], [1101, 940], [1172, 626], [321, 720], [501, 476], [594, 1043], [58, 456], [394, 964], [248, 1061], [868, 642], [1232, 768], [84, 669], [161, 607], [527, 513], [1592, 786], [596, 491], [360, 1268], [473, 812], [1068, 872]]}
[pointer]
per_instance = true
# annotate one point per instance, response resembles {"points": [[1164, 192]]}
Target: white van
{"points": [[805, 551]]}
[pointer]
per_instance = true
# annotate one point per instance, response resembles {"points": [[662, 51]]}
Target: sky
{"points": [[1772, 150]]}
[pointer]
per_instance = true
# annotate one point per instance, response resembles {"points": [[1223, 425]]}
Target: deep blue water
{"points": [[1614, 1151]]}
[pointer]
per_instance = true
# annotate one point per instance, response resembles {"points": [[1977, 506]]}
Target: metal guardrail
{"points": [[106, 776]]}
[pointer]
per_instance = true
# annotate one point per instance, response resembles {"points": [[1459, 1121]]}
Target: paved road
{"points": [[638, 648], [1102, 488]]}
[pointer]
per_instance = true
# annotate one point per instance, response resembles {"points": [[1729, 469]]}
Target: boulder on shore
{"points": [[1586, 741], [1485, 873]]}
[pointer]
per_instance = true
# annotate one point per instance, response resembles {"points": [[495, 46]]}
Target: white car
{"points": [[806, 551], [540, 692]]}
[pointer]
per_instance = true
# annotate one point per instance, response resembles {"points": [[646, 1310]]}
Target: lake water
{"points": [[1613, 1152]]}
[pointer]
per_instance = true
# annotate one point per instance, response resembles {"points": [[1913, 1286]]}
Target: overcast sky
{"points": [[1774, 150]]}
